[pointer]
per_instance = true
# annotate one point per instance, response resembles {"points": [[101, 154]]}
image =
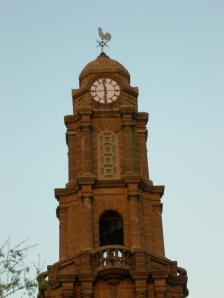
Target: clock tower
{"points": [[110, 212]]}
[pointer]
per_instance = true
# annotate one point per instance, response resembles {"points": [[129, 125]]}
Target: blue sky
{"points": [[174, 53]]}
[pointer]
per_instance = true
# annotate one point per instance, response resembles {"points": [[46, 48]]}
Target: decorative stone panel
{"points": [[108, 156]]}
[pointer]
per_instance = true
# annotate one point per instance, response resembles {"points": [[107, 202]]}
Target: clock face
{"points": [[105, 90]]}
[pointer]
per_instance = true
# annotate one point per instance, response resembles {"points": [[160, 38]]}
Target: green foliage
{"points": [[15, 274]]}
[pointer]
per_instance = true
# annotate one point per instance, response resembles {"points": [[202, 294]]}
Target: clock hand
{"points": [[105, 89]]}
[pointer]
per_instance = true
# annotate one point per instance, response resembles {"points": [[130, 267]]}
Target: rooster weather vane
{"points": [[105, 38]]}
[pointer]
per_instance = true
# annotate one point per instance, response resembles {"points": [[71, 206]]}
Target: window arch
{"points": [[111, 228], [108, 156]]}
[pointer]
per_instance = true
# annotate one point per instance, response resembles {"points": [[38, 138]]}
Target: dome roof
{"points": [[104, 64]]}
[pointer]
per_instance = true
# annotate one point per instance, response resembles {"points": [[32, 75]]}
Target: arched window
{"points": [[108, 155], [111, 229]]}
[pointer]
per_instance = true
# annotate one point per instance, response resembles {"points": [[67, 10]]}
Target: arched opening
{"points": [[111, 229]]}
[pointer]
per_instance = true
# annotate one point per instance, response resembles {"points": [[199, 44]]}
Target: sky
{"points": [[174, 53]]}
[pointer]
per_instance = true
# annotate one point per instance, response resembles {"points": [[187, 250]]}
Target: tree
{"points": [[15, 274]]}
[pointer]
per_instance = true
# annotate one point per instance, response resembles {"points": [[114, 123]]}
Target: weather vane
{"points": [[105, 38]]}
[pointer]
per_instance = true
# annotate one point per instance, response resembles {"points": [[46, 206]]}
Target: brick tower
{"points": [[111, 236]]}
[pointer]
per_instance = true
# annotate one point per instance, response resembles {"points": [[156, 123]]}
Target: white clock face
{"points": [[105, 90]]}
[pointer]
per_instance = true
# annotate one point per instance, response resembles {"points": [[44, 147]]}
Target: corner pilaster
{"points": [[134, 214], [131, 164], [87, 221], [157, 231], [72, 143], [160, 288], [62, 216], [67, 290], [86, 131], [87, 286], [141, 289]]}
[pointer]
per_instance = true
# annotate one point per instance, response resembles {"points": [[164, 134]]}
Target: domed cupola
{"points": [[103, 64]]}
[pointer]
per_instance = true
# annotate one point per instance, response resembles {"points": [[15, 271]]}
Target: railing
{"points": [[112, 256]]}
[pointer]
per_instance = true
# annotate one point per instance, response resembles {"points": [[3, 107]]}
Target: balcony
{"points": [[112, 259]]}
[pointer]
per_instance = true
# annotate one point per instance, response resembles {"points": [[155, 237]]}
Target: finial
{"points": [[105, 37]]}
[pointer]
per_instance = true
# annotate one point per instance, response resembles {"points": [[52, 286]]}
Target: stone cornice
{"points": [[60, 192], [66, 277], [70, 119], [130, 90], [109, 183], [79, 92], [142, 116], [159, 189], [87, 178], [132, 179]]}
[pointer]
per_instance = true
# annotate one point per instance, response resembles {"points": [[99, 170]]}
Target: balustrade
{"points": [[112, 256]]}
